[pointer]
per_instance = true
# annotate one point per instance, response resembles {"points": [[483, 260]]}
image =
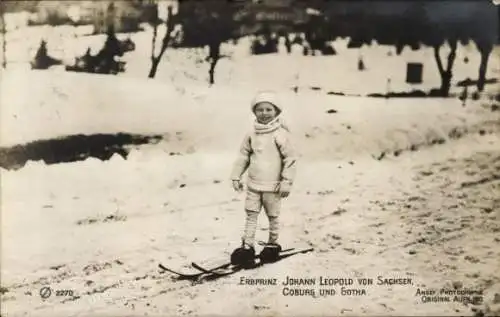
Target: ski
{"points": [[223, 266], [215, 272], [196, 275], [235, 268], [189, 276], [210, 271]]}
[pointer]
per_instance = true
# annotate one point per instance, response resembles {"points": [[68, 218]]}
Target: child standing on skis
{"points": [[268, 155]]}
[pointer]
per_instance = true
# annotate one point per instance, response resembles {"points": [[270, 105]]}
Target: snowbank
{"points": [[204, 119]]}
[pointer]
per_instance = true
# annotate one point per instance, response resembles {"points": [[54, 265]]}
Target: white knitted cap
{"points": [[267, 96]]}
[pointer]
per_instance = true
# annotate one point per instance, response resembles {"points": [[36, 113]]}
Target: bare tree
{"points": [[485, 49], [446, 72], [482, 31], [169, 23], [213, 58], [412, 23], [485, 35], [207, 23], [215, 39]]}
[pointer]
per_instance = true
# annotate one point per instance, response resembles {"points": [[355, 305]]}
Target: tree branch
{"points": [[438, 59]]}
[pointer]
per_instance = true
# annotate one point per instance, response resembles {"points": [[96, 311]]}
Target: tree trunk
{"points": [[485, 54], [440, 66], [211, 72], [445, 84], [446, 74], [288, 44], [214, 56], [154, 67], [155, 60]]}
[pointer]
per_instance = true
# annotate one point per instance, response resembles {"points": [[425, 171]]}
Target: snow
{"points": [[101, 227], [70, 104]]}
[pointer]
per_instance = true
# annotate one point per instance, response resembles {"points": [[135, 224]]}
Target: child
{"points": [[268, 155]]}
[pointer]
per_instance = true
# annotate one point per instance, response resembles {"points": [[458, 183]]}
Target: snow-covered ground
{"points": [[428, 210]]}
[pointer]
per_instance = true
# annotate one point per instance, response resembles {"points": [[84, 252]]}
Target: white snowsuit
{"points": [[269, 156]]}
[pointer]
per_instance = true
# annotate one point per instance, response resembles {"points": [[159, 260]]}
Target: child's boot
{"points": [[243, 256], [270, 253]]}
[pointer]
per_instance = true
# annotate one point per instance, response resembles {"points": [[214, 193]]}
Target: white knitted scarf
{"points": [[271, 126]]}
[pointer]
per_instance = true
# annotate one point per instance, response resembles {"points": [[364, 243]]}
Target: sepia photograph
{"points": [[249, 158]]}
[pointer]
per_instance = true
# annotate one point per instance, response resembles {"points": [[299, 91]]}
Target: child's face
{"points": [[265, 112]]}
